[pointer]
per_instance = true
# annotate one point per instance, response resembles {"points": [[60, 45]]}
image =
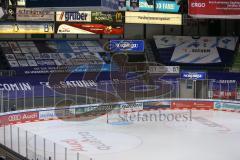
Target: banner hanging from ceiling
{"points": [[195, 50], [87, 28], [229, 9]]}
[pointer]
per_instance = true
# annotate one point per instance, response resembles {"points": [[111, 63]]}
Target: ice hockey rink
{"points": [[208, 135]]}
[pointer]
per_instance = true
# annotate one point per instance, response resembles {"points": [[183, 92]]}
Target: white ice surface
{"points": [[210, 135]]}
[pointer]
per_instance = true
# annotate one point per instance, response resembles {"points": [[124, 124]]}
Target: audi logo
{"points": [[13, 118]]}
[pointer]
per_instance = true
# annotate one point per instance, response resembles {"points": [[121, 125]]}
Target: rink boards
{"points": [[94, 110]]}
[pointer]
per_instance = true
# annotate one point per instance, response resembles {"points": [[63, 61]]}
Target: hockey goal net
{"points": [[119, 115]]}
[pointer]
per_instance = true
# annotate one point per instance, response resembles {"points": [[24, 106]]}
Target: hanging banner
{"points": [[34, 14], [26, 28], [196, 50], [153, 18], [79, 16], [108, 17], [82, 28], [214, 9]]}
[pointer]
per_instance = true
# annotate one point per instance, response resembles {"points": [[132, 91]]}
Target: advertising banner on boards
{"points": [[34, 14], [19, 118], [153, 18], [84, 28], [214, 9], [227, 106], [26, 28], [78, 16], [192, 104]]}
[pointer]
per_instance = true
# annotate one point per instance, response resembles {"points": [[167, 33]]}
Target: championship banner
{"points": [[108, 17], [34, 14], [127, 45], [26, 28], [83, 28], [214, 8], [153, 18], [79, 16]]}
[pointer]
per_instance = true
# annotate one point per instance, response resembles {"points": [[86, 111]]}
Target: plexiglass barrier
{"points": [[34, 147]]}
